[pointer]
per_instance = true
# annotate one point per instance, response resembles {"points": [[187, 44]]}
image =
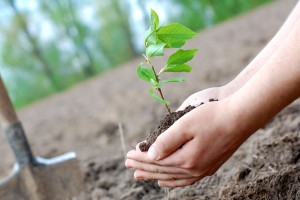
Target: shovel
{"points": [[35, 178]]}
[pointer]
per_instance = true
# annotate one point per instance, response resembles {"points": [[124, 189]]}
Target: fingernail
{"points": [[152, 153]]}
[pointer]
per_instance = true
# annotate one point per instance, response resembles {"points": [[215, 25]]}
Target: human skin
{"points": [[203, 139], [267, 52]]}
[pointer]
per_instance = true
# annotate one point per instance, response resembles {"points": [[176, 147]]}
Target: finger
{"points": [[170, 140], [178, 183], [145, 175], [129, 163], [179, 158], [193, 100], [139, 156], [176, 159]]}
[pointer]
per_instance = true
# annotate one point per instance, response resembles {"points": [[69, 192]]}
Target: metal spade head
{"points": [[35, 178]]}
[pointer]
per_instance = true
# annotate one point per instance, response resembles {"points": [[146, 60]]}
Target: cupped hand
{"points": [[194, 147], [202, 96]]}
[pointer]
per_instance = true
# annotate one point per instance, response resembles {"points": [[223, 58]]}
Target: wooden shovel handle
{"points": [[7, 113]]}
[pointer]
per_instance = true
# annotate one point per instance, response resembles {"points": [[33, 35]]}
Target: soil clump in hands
{"points": [[165, 123]]}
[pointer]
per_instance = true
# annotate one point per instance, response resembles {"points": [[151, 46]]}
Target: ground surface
{"points": [[85, 119]]}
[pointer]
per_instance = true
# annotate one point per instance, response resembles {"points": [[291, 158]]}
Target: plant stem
{"points": [[162, 96], [158, 89]]}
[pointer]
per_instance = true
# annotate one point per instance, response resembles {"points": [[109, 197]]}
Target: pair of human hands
{"points": [[195, 146]]}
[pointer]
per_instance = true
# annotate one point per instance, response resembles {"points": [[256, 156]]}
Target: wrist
{"points": [[242, 118], [227, 90]]}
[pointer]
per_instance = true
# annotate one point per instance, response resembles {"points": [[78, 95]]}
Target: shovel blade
{"points": [[59, 181], [16, 186]]}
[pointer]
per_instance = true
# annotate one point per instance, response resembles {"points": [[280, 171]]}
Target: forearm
{"points": [[273, 87], [265, 54]]}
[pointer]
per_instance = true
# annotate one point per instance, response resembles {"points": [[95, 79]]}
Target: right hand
{"points": [[195, 146], [203, 97]]}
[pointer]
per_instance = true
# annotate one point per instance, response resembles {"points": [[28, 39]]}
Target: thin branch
{"points": [[158, 89]]}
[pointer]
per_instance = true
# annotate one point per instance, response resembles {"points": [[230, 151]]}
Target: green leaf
{"points": [[181, 56], [176, 31], [169, 80], [155, 50], [173, 43], [154, 20], [175, 35], [178, 68], [155, 83], [150, 35], [145, 74], [157, 98]]}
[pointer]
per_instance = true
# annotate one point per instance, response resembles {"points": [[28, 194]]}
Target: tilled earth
{"points": [[267, 166], [85, 119]]}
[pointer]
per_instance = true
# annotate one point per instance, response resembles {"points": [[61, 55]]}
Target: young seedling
{"points": [[157, 38]]}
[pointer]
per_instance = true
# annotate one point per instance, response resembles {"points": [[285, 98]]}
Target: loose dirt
{"points": [[85, 119], [163, 125], [267, 166]]}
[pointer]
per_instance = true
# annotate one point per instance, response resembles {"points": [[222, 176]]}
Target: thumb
{"points": [[168, 142]]}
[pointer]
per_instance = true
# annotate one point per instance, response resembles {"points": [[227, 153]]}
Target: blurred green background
{"points": [[48, 46]]}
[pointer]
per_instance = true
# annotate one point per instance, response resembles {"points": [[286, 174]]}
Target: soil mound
{"points": [[265, 167], [85, 119], [163, 125]]}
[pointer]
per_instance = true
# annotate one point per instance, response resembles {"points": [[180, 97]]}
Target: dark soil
{"points": [[282, 185], [266, 167], [164, 124], [85, 119]]}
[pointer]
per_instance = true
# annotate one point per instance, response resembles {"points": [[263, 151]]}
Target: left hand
{"points": [[195, 146]]}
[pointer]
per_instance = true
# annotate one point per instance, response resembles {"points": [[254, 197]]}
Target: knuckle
{"points": [[186, 129], [189, 165], [196, 174], [186, 133], [193, 170], [161, 144], [155, 169]]}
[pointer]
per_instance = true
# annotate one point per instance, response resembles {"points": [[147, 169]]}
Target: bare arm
{"points": [[264, 55], [275, 85], [211, 133], [244, 76]]}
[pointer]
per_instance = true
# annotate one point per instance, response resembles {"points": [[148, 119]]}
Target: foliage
{"points": [[199, 14], [157, 38], [48, 46], [34, 67]]}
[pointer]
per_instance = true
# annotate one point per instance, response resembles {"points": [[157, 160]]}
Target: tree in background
{"points": [[63, 14], [115, 33], [19, 31], [227, 8], [47, 46], [74, 50]]}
